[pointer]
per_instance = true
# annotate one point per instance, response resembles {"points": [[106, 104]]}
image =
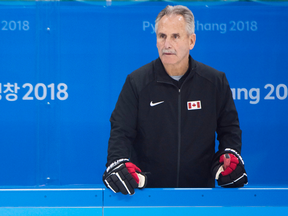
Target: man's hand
{"points": [[124, 177], [231, 173]]}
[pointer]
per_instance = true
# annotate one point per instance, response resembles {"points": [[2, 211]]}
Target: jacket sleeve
{"points": [[228, 130], [123, 123]]}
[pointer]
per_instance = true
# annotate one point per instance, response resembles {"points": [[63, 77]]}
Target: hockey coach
{"points": [[164, 123]]}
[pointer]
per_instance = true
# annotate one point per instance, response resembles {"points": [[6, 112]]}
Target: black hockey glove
{"points": [[230, 170], [124, 177]]}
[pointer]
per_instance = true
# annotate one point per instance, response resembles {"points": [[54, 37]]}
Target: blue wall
{"points": [[66, 64], [167, 201]]}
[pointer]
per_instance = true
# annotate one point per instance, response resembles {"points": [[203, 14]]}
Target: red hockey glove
{"points": [[124, 177], [231, 171]]}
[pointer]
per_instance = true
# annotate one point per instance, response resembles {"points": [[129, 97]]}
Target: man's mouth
{"points": [[168, 52]]}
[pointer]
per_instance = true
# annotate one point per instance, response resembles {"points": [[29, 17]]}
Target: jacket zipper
{"points": [[179, 137], [179, 128], [179, 131]]}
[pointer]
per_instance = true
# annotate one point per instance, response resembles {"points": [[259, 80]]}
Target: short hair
{"points": [[178, 10]]}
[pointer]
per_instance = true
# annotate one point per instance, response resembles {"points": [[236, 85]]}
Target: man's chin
{"points": [[168, 59]]}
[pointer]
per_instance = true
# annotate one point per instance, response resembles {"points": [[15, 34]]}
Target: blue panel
{"points": [[60, 197], [200, 197], [51, 211], [199, 211], [217, 201], [96, 201]]}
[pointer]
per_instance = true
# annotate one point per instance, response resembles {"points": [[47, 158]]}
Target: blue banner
{"points": [[63, 66]]}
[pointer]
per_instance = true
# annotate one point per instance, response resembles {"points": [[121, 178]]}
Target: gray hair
{"points": [[178, 10]]}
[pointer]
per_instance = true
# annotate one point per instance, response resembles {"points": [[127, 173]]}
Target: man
{"points": [[164, 123]]}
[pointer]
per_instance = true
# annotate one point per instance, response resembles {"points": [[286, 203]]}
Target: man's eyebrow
{"points": [[160, 34]]}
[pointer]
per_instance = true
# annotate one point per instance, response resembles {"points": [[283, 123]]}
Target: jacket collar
{"points": [[161, 74]]}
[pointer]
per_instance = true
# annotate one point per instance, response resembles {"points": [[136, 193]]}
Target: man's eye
{"points": [[176, 36], [162, 36]]}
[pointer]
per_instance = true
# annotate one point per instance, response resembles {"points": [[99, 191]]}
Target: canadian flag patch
{"points": [[194, 105]]}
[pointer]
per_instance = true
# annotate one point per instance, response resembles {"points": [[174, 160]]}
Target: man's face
{"points": [[173, 42]]}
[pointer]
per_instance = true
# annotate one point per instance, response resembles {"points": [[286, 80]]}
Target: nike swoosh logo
{"points": [[154, 104]]}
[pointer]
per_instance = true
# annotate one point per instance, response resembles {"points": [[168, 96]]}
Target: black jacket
{"points": [[172, 143]]}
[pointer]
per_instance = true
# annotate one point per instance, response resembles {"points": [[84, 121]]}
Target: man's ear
{"points": [[192, 41]]}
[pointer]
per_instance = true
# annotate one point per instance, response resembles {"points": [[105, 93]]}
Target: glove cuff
{"points": [[116, 163]]}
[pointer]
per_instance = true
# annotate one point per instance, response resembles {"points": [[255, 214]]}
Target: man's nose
{"points": [[167, 44]]}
